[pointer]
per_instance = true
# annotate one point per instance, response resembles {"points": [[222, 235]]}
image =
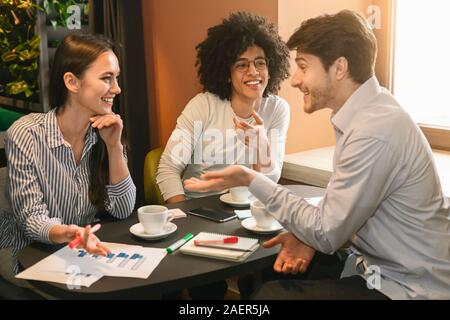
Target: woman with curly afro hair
{"points": [[238, 119]]}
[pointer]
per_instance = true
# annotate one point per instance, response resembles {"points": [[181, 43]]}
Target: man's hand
{"points": [[294, 255], [232, 176]]}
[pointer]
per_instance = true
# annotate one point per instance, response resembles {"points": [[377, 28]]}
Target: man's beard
{"points": [[320, 98]]}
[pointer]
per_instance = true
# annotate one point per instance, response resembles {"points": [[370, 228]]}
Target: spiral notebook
{"points": [[233, 252]]}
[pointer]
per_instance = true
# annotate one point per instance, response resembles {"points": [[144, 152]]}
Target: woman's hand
{"points": [[254, 136], [89, 242], [110, 128]]}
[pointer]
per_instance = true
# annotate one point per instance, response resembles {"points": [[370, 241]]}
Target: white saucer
{"points": [[138, 230], [226, 198], [250, 224]]}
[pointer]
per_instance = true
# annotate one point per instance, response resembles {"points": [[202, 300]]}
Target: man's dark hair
{"points": [[345, 34], [227, 41]]}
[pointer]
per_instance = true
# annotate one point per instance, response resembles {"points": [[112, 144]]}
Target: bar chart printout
{"points": [[120, 260], [123, 261]]}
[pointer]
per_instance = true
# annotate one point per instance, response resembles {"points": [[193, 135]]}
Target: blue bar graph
{"points": [[124, 259], [81, 253]]}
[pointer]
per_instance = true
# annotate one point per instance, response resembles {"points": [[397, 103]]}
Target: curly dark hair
{"points": [[227, 41]]}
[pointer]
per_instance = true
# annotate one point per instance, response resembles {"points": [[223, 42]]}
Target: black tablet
{"points": [[213, 214]]}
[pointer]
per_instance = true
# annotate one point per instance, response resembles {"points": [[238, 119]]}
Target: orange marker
{"points": [[75, 242]]}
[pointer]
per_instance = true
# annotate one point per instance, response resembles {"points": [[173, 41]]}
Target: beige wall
{"points": [[173, 28]]}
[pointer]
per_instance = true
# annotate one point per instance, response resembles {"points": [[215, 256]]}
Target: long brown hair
{"points": [[75, 54]]}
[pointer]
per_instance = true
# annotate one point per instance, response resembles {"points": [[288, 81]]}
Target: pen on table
{"points": [[75, 242], [233, 239], [179, 243]]}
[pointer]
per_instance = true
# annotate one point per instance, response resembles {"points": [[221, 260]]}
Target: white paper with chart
{"points": [[123, 261]]}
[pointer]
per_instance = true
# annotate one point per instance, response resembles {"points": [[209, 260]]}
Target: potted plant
{"points": [[21, 62], [19, 50], [58, 12]]}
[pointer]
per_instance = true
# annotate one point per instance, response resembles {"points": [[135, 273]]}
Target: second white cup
{"points": [[154, 218], [239, 194], [262, 217]]}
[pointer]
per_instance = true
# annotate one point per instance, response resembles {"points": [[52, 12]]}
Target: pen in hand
{"points": [[75, 242]]}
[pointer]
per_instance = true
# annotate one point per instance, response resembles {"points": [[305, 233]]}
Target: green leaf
{"points": [[17, 87], [9, 56], [13, 67], [47, 6], [35, 41], [28, 92]]}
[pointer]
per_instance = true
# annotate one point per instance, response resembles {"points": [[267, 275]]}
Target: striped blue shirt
{"points": [[47, 187]]}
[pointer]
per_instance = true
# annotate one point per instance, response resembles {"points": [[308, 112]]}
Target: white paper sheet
{"points": [[178, 213], [243, 214], [124, 261], [72, 278]]}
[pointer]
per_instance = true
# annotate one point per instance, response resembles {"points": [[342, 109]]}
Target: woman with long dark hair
{"points": [[67, 165]]}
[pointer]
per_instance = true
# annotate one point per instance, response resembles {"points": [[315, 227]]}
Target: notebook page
{"points": [[217, 253], [243, 244]]}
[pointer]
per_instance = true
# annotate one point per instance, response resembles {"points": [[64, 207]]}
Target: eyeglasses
{"points": [[243, 65]]}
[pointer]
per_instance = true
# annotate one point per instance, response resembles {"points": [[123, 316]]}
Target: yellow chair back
{"points": [[151, 189]]}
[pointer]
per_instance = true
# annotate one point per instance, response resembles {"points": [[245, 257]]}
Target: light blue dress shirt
{"points": [[384, 196]]}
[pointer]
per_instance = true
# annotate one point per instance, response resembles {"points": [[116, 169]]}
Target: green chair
{"points": [[151, 190], [7, 118]]}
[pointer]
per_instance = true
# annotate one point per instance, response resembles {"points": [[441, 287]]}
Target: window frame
{"points": [[438, 137]]}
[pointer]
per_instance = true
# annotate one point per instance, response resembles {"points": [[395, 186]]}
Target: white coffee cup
{"points": [[239, 194], [262, 217], [154, 218]]}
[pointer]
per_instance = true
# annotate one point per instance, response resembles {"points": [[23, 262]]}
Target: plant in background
{"points": [[19, 49], [58, 12], [19, 45], [59, 15]]}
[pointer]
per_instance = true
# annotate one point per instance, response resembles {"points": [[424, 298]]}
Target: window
{"points": [[422, 66]]}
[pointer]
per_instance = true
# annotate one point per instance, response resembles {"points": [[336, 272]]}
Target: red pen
{"points": [[233, 239], [75, 242]]}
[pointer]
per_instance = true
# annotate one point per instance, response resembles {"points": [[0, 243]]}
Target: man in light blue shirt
{"points": [[384, 196]]}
